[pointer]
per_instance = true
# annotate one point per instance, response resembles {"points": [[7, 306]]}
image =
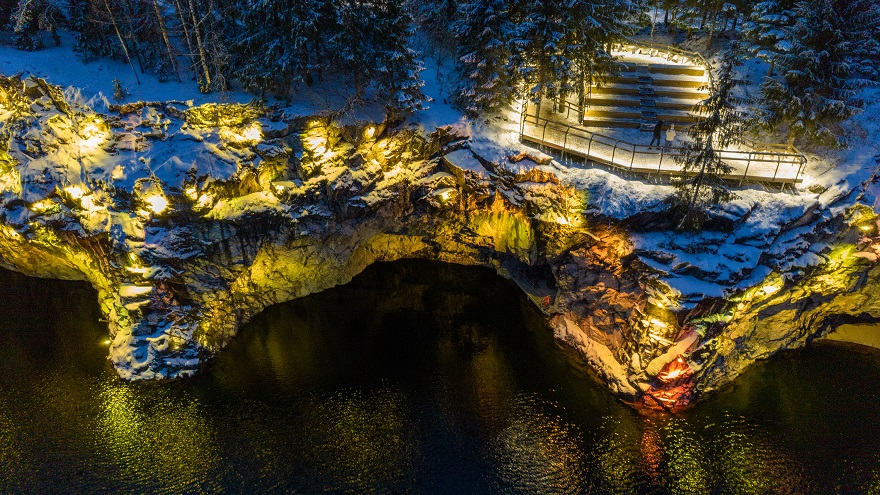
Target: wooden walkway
{"points": [[776, 167], [753, 162]]}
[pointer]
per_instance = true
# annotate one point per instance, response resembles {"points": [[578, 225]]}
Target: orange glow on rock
{"points": [[674, 370]]}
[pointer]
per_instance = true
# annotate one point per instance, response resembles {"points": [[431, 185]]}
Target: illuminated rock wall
{"points": [[190, 220]]}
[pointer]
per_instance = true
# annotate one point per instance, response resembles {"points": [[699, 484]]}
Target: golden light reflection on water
{"points": [[303, 411], [9, 453], [493, 386], [539, 452], [616, 453], [686, 457], [748, 461], [169, 437], [362, 440]]}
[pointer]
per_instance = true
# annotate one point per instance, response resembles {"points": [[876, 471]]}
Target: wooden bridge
{"points": [[751, 162]]}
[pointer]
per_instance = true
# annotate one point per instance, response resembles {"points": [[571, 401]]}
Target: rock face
{"points": [[190, 220]]}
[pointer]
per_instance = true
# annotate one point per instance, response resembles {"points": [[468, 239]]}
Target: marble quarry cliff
{"points": [[189, 220]]}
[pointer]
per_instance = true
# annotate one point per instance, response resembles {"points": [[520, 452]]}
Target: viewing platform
{"points": [[653, 83]]}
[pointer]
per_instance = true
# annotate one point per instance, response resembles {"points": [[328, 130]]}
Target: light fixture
{"points": [[91, 135], [75, 192], [204, 201], [157, 203], [770, 289]]}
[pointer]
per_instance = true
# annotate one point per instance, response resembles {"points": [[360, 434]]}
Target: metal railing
{"points": [[577, 141]]}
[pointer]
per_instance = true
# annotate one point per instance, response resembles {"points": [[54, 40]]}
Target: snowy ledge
{"points": [[189, 220]]}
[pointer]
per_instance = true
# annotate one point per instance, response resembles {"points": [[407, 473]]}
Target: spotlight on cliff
{"points": [[91, 134], [243, 135], [770, 289], [151, 196], [370, 132], [157, 203], [42, 206], [75, 192]]}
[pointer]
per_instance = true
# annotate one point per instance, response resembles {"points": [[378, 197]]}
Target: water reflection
{"points": [[415, 378], [539, 452], [167, 436]]}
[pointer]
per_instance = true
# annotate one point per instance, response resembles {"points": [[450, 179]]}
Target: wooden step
{"points": [[594, 113], [671, 69], [614, 123], [634, 90], [676, 104], [615, 102], [649, 126]]}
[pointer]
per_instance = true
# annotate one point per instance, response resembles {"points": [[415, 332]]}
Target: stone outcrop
{"points": [[188, 221]]}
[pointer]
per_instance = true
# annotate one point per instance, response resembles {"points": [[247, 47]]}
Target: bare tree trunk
{"points": [[712, 29], [165, 39], [201, 47], [582, 100], [186, 35], [121, 41], [126, 11]]}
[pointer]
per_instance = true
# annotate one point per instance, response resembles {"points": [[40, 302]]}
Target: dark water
{"points": [[414, 378]]}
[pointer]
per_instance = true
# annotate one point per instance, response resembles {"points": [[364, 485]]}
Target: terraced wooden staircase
{"points": [[644, 91]]}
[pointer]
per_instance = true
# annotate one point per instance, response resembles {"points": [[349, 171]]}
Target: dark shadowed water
{"points": [[414, 378]]}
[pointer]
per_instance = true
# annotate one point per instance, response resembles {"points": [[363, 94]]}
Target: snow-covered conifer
{"points": [[275, 47], [833, 54], [765, 31], [701, 185], [592, 27], [538, 56], [484, 33], [397, 65]]}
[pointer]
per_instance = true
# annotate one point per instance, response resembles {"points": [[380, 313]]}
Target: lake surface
{"points": [[415, 378]]}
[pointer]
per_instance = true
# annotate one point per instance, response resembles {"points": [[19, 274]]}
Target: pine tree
{"points": [[94, 36], [398, 68], [371, 46], [765, 29], [353, 44], [435, 18], [832, 56], [720, 126], [26, 24], [543, 69], [274, 49], [484, 32], [119, 92], [593, 25]]}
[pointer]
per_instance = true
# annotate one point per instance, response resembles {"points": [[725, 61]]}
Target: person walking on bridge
{"points": [[657, 128]]}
